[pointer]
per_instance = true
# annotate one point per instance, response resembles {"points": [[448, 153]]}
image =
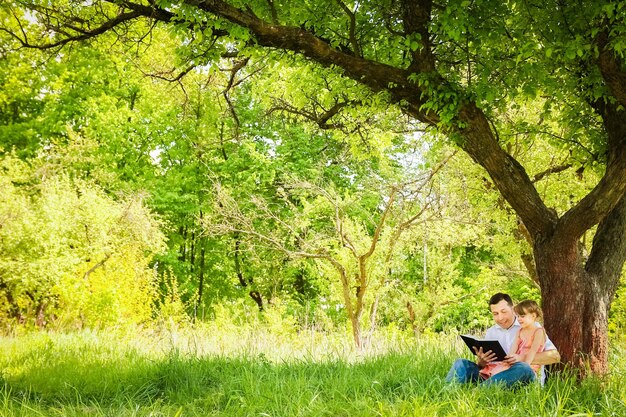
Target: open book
{"points": [[487, 345]]}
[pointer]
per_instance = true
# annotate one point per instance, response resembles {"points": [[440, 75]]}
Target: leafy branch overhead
{"points": [[408, 63]]}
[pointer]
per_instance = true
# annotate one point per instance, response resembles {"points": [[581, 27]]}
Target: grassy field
{"points": [[206, 371]]}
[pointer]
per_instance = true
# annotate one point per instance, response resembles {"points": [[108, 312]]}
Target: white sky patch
{"points": [[155, 155], [413, 158], [30, 17]]}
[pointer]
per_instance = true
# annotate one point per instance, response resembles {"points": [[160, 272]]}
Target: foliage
{"points": [[353, 235], [617, 322], [71, 253]]}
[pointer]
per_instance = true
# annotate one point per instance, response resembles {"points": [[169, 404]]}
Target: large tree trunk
{"points": [[561, 277], [576, 311], [577, 295], [603, 272], [594, 352]]}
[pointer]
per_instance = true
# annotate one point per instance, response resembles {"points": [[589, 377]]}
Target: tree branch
{"points": [[96, 266], [375, 75], [82, 34], [611, 188], [611, 68], [321, 120], [507, 173], [552, 170], [356, 48], [381, 224], [416, 18], [413, 219], [610, 234]]}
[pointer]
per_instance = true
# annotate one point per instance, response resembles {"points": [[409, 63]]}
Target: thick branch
{"points": [[356, 48], [238, 65], [508, 174], [608, 252], [610, 189], [611, 68], [273, 12], [82, 34], [552, 170], [375, 75], [416, 18]]}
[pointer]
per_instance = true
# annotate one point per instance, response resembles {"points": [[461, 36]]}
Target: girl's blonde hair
{"points": [[528, 306]]}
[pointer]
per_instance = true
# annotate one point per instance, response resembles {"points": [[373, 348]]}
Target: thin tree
{"points": [[363, 258]]}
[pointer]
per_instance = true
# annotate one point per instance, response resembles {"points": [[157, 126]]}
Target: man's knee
{"points": [[462, 370], [463, 365], [460, 363]]}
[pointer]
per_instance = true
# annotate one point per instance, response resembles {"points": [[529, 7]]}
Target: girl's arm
{"points": [[538, 340], [513, 348], [547, 357]]}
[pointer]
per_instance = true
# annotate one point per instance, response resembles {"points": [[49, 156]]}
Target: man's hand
{"points": [[483, 358]]}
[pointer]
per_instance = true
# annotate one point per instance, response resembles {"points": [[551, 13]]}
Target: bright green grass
{"points": [[202, 372]]}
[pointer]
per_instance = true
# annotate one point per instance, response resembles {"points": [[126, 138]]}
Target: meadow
{"points": [[212, 370]]}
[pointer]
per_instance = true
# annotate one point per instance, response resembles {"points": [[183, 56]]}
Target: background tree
{"points": [[71, 254], [328, 227]]}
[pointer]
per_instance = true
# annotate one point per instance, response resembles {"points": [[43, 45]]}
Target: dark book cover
{"points": [[487, 345]]}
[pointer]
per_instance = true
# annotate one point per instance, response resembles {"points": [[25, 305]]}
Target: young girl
{"points": [[531, 338]]}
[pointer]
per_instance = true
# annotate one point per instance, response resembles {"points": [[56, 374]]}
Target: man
{"points": [[504, 331]]}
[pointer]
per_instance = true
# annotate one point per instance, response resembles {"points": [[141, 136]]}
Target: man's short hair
{"points": [[496, 298]]}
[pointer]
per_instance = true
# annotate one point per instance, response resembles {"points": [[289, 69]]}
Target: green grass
{"points": [[205, 372]]}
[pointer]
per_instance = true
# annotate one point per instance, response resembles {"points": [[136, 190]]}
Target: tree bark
{"points": [[254, 294], [560, 274], [201, 275], [603, 269], [577, 293]]}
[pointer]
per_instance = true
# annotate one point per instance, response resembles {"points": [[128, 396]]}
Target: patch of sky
{"points": [[411, 153]]}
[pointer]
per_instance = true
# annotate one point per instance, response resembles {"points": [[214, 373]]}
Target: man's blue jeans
{"points": [[464, 371]]}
